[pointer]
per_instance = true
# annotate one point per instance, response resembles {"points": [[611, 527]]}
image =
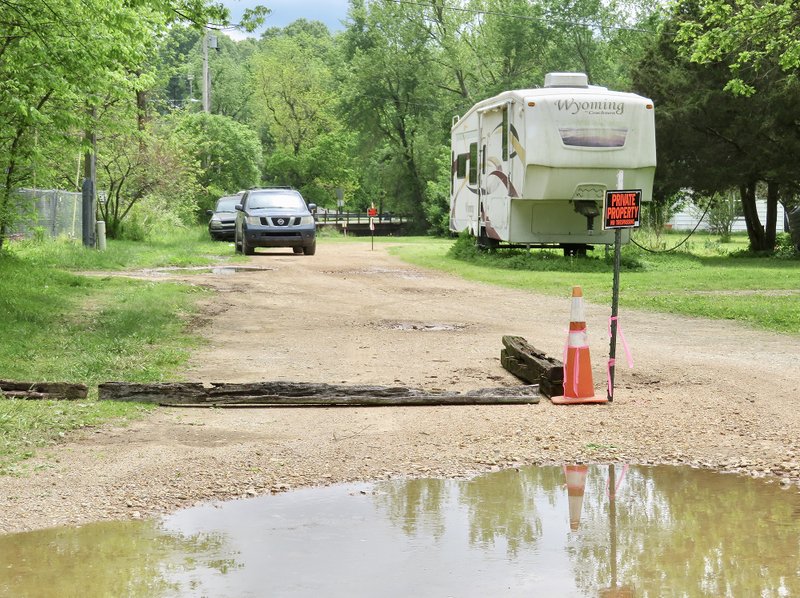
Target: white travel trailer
{"points": [[531, 167]]}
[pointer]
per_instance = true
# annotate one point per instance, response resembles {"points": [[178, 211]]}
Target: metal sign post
{"points": [[612, 349], [621, 210], [372, 212], [339, 199]]}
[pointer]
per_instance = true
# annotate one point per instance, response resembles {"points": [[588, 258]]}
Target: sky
{"points": [[330, 12]]}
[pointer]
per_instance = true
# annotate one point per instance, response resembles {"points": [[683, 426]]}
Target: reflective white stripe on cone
{"points": [[576, 485], [578, 382]]}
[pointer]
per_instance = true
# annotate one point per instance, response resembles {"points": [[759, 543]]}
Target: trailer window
{"points": [[587, 137], [505, 133], [461, 166], [483, 159], [473, 163]]}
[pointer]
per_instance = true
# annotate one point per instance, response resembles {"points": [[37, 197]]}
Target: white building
{"points": [[688, 217]]}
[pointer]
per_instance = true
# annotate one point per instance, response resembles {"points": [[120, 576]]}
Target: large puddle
{"points": [[601, 531]]}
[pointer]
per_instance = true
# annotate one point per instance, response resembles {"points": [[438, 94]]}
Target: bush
{"points": [[785, 247], [541, 260]]}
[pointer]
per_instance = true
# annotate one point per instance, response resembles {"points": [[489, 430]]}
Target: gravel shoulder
{"points": [[708, 394]]}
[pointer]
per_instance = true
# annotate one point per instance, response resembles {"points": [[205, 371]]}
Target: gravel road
{"points": [[708, 394]]}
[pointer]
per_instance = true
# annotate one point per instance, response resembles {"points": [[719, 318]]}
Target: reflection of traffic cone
{"points": [[578, 383], [576, 484]]}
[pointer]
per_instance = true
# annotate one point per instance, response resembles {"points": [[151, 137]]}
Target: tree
{"points": [[751, 38], [392, 97], [137, 167], [309, 147], [708, 138], [55, 70], [295, 103], [228, 152]]}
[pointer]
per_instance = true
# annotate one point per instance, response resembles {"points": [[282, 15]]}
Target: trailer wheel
{"points": [[575, 250]]}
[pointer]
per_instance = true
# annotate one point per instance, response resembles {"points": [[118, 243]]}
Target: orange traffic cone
{"points": [[576, 485], [578, 383]]}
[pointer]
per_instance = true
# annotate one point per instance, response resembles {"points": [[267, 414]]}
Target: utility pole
{"points": [[209, 41], [88, 187], [206, 76]]}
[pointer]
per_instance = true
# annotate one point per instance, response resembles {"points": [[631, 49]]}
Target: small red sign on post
{"points": [[372, 212], [622, 209]]}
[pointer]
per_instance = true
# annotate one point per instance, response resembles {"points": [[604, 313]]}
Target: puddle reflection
{"points": [[602, 531]]}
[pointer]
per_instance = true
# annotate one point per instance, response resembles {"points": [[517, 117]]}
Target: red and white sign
{"points": [[622, 208], [372, 212]]}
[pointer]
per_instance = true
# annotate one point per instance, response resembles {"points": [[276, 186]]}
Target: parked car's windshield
{"points": [[289, 201], [227, 204]]}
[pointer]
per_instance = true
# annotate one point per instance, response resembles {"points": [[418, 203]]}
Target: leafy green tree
{"points": [[139, 169], [295, 103], [228, 152], [750, 37], [391, 96], [56, 70], [708, 138], [308, 146], [52, 67]]}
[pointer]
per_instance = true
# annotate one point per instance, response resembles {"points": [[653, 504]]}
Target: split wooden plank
{"points": [[43, 390], [289, 394]]}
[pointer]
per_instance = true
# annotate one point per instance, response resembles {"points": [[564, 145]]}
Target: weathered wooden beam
{"points": [[549, 388], [534, 360], [291, 394], [519, 369], [43, 390]]}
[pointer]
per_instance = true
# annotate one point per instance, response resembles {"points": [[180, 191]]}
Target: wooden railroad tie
{"points": [[43, 390], [532, 366], [294, 394]]}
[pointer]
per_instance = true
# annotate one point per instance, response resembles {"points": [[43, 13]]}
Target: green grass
{"points": [[178, 248], [57, 325], [704, 279]]}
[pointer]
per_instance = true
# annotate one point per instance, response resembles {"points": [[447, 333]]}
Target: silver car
{"points": [[223, 217], [275, 217]]}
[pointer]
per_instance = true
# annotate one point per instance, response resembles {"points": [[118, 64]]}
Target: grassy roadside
{"points": [[58, 325], [703, 279]]}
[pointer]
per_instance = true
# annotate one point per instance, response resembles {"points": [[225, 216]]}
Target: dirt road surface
{"points": [[708, 394]]}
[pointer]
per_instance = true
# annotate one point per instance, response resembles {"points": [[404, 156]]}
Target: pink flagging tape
{"points": [[619, 481], [628, 355]]}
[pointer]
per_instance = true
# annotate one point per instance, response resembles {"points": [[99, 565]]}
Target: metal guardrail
{"points": [[341, 218]]}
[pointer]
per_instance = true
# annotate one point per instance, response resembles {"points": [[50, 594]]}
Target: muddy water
{"points": [[607, 531]]}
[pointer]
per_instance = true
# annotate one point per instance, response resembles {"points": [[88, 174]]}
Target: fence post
{"points": [[101, 235], [54, 228]]}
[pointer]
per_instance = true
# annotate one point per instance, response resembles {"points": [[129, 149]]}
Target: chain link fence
{"points": [[51, 212]]}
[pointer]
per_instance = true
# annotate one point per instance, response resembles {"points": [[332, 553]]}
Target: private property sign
{"points": [[622, 208]]}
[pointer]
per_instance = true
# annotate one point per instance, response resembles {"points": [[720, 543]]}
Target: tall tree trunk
{"points": [[772, 215], [415, 178], [755, 231]]}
